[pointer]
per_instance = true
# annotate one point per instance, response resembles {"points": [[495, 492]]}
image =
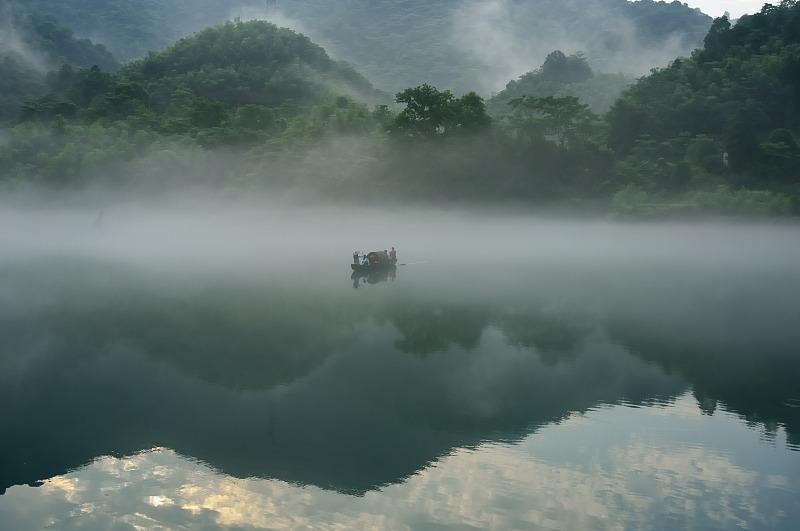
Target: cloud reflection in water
{"points": [[611, 468]]}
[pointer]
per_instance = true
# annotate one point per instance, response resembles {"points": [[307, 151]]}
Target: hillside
{"points": [[236, 83], [32, 45], [250, 104], [478, 45], [739, 95], [459, 44], [562, 75], [250, 63]]}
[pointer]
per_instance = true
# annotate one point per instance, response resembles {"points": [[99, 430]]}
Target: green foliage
{"points": [[781, 155], [723, 200], [562, 76], [703, 153], [249, 104], [17, 81], [730, 97], [559, 68], [33, 45], [430, 113], [237, 84], [630, 200], [73, 155], [741, 142], [698, 95], [248, 63], [565, 119]]}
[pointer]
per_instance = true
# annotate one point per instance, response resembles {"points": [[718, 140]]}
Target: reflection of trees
{"points": [[744, 361], [553, 335], [237, 335], [115, 364], [426, 330], [234, 336], [353, 424], [756, 384], [127, 367]]}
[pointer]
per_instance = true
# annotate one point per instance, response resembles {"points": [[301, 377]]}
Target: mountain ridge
{"points": [[458, 44]]}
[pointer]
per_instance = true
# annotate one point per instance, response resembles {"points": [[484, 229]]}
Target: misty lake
{"points": [[204, 368]]}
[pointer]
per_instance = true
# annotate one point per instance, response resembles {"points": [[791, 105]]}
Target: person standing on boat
{"points": [[355, 257], [393, 255]]}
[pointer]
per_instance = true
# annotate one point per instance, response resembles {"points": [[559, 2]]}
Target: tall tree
{"points": [[430, 112]]}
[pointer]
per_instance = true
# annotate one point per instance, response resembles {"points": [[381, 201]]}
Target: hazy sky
{"points": [[737, 8]]}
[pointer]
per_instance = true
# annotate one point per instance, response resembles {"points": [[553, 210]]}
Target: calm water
{"points": [[221, 372]]}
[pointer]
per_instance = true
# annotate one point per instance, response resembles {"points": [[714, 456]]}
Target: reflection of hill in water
{"points": [[738, 349], [347, 390]]}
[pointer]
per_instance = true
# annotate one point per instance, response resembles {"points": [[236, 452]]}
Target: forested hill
{"points": [[479, 45], [42, 38], [237, 83], [30, 46], [713, 132], [459, 44], [739, 95], [561, 76], [251, 63]]}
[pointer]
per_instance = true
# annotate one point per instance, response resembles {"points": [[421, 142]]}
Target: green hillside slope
{"points": [[732, 109], [233, 83], [30, 46]]}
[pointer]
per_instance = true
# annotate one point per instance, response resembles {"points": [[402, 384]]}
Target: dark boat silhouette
{"points": [[377, 261]]}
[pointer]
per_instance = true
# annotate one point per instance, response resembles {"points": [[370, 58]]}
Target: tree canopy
{"points": [[235, 83], [715, 131], [430, 112], [738, 92], [30, 46]]}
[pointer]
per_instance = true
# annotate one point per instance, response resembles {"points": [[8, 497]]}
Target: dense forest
{"points": [[30, 46], [248, 104], [461, 45], [728, 114], [246, 69]]}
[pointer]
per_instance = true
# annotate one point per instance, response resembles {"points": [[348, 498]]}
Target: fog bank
{"points": [[223, 232]]}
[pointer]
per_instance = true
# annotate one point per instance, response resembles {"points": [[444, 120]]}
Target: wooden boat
{"points": [[378, 261]]}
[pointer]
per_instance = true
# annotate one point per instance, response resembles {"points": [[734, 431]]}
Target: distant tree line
{"points": [[715, 131]]}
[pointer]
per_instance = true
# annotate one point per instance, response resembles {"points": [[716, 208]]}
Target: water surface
{"points": [[219, 371]]}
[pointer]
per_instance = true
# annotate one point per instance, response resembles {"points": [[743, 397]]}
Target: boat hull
{"points": [[359, 268]]}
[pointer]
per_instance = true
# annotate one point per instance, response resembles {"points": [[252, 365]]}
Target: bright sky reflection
{"points": [[615, 467]]}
